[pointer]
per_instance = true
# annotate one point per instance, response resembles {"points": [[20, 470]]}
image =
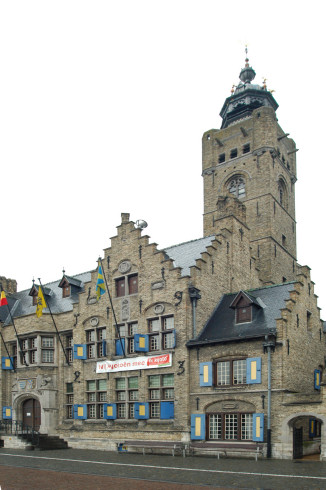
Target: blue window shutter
{"points": [[141, 343], [206, 374], [80, 351], [80, 412], [254, 370], [312, 427], [198, 427], [110, 411], [6, 413], [167, 410], [317, 376], [118, 347], [104, 347], [7, 363], [141, 410], [258, 427]]}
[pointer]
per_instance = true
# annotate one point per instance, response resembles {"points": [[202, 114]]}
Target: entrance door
{"points": [[32, 413], [297, 443]]}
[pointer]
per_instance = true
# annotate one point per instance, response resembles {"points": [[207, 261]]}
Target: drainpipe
{"points": [[269, 347], [194, 296]]}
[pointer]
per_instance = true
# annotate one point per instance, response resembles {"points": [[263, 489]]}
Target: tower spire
{"points": [[247, 73]]}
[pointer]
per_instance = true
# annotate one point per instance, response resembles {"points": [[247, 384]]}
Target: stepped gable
{"points": [[221, 326], [185, 254]]}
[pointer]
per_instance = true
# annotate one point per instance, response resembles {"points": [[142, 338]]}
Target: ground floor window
{"points": [[230, 426]]}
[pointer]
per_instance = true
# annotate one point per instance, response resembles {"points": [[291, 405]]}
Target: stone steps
{"points": [[24, 441]]}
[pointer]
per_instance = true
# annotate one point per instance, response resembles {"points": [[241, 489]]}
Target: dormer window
{"points": [[243, 306], [66, 290], [243, 314], [69, 285], [34, 293], [34, 296]]}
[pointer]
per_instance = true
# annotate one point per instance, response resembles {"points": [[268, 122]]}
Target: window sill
{"points": [[95, 421], [160, 421]]}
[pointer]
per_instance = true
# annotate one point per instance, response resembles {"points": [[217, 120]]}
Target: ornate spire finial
{"points": [[247, 74], [63, 271]]}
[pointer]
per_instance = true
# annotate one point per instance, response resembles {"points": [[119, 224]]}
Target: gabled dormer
{"points": [[34, 293], [243, 305], [69, 285]]}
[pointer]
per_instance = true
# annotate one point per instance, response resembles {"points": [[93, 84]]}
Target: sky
{"points": [[102, 108]]}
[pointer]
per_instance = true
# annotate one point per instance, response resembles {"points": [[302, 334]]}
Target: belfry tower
{"points": [[252, 160]]}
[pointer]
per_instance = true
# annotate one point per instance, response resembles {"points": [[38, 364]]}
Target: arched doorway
{"points": [[32, 413], [306, 436]]}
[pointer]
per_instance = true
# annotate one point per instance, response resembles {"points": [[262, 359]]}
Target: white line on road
{"points": [[248, 473]]}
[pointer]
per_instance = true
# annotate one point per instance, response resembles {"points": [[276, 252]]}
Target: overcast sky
{"points": [[102, 108]]}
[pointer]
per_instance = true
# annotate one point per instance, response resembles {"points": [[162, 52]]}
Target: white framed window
{"points": [[96, 393]]}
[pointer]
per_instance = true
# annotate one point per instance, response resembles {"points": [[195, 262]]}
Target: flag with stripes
{"points": [[100, 287]]}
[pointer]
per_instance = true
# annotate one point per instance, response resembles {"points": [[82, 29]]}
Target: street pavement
{"points": [[83, 469]]}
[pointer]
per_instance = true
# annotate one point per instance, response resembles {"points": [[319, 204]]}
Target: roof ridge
{"points": [[52, 282], [189, 241], [264, 287]]}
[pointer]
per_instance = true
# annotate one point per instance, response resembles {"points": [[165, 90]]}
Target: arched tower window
{"points": [[282, 193], [237, 186]]}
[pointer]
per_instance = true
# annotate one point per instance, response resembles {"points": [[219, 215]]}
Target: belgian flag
{"points": [[3, 299]]}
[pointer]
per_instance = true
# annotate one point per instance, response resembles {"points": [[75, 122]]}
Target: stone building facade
{"points": [[218, 339]]}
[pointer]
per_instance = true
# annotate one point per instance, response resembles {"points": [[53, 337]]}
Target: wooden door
{"points": [[32, 413]]}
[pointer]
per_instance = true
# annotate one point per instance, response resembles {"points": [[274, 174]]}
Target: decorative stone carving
{"points": [[229, 406], [124, 267], [92, 300], [94, 321], [158, 285], [159, 309], [125, 309], [26, 384]]}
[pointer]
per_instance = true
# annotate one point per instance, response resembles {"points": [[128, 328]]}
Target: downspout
{"points": [[194, 296], [269, 346]]}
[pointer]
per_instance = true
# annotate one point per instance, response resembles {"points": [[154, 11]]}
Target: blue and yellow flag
{"points": [[100, 287]]}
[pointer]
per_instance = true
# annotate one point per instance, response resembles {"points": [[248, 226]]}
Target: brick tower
{"points": [[252, 159]]}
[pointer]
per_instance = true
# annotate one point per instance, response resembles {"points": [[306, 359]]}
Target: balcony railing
{"points": [[18, 428]]}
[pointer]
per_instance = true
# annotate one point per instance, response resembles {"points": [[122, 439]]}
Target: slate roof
{"points": [[21, 304], [185, 254], [221, 326]]}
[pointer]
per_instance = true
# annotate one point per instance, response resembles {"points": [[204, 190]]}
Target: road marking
{"points": [[247, 473]]}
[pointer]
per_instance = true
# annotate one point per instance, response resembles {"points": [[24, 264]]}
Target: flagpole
{"points": [[115, 320], [65, 353], [18, 339], [4, 343]]}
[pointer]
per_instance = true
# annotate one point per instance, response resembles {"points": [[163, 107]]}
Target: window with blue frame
{"points": [[126, 396], [161, 333], [127, 333], [96, 392], [230, 426], [96, 343], [161, 396]]}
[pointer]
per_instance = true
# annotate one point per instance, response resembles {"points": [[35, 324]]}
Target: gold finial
{"points": [[247, 59]]}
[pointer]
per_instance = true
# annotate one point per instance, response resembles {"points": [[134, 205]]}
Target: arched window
{"points": [[282, 193], [237, 187]]}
